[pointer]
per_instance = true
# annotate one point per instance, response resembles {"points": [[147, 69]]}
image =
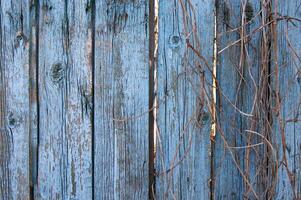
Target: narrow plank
{"points": [[65, 100], [14, 122], [33, 92], [237, 172], [184, 95], [286, 76], [14, 99], [121, 99]]}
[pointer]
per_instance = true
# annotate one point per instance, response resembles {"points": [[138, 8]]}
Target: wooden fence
{"points": [[95, 105]]}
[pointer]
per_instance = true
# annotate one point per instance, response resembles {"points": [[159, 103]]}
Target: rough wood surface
{"points": [[77, 85], [14, 99], [65, 100], [121, 99], [33, 92], [183, 122], [288, 65], [238, 71]]}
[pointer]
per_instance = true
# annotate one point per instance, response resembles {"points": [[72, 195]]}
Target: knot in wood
{"points": [[13, 120], [47, 7], [19, 35], [57, 72], [202, 118], [205, 117], [174, 41], [47, 16], [249, 11], [20, 38]]}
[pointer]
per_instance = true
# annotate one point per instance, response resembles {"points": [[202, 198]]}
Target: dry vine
{"points": [[263, 136]]}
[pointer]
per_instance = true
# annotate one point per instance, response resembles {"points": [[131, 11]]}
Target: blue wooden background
{"points": [[94, 104]]}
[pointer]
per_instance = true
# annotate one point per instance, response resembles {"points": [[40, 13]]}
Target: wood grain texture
{"points": [[121, 99], [183, 137], [289, 71], [238, 72], [33, 92], [14, 99], [65, 100]]}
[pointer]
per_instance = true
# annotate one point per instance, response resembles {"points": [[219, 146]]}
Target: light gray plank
{"points": [[65, 100], [184, 95], [287, 75], [121, 100], [14, 100]]}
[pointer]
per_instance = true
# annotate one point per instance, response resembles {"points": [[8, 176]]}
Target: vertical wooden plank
{"points": [[121, 99], [33, 92], [14, 99], [65, 100], [287, 80], [237, 168], [228, 181], [186, 34]]}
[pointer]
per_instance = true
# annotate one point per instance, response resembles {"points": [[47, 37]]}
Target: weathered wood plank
{"points": [[121, 99], [14, 99], [184, 92], [286, 73], [33, 92], [237, 170], [65, 100]]}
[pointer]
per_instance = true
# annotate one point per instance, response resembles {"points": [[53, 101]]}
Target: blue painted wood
{"points": [[286, 77], [49, 58], [184, 95], [121, 99], [14, 99], [237, 172], [65, 100]]}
